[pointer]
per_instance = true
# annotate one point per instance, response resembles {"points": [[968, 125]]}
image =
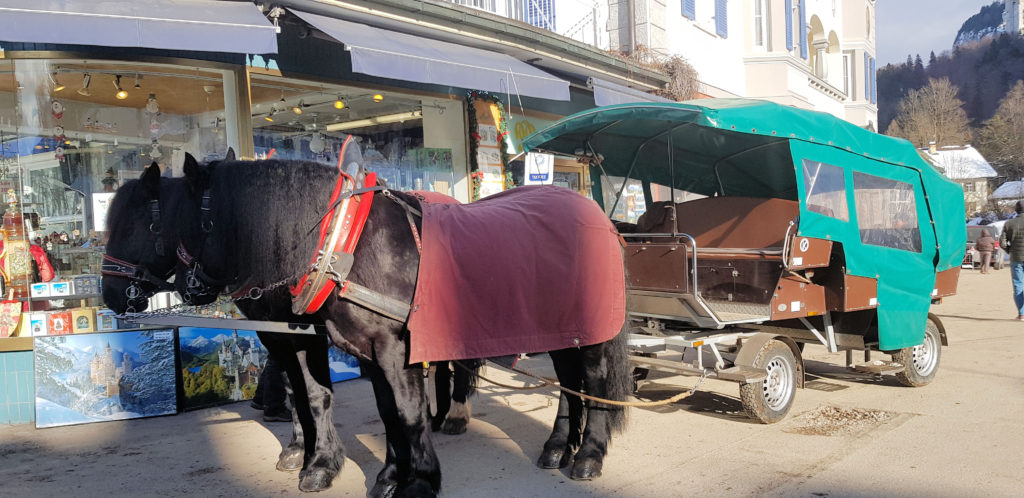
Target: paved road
{"points": [[848, 435]]}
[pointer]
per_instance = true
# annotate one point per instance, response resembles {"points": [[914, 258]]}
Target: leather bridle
{"points": [[138, 274]]}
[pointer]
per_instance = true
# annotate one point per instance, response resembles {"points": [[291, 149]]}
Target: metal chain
{"points": [[185, 309]]}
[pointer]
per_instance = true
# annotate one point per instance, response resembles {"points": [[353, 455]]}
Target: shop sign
{"points": [[539, 169], [521, 127]]}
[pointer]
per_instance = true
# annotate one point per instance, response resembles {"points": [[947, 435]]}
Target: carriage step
{"points": [[736, 312], [879, 367], [736, 373]]}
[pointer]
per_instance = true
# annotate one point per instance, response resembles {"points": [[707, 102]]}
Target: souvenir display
{"points": [[60, 289], [99, 377], [37, 324], [58, 322], [10, 318], [86, 284], [83, 320], [41, 289], [105, 320], [219, 366]]}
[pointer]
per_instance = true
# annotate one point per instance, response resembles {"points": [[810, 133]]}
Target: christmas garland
{"points": [[474, 139]]}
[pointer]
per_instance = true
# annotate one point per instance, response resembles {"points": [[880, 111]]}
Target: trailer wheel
{"points": [[921, 361], [769, 401]]}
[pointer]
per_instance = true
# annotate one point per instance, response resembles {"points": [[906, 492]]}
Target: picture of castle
{"points": [[103, 372], [218, 365]]}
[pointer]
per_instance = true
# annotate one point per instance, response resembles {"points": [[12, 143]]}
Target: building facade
{"points": [[966, 166]]}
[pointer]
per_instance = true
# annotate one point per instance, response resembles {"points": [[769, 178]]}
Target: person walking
{"points": [[270, 394], [985, 245], [1012, 240]]}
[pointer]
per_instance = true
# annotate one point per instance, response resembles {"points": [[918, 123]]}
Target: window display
{"points": [[299, 120]]}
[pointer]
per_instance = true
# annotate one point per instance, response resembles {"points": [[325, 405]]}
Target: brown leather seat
{"points": [[725, 222]]}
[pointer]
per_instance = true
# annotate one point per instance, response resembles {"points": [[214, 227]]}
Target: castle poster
{"points": [[219, 365], [84, 378]]}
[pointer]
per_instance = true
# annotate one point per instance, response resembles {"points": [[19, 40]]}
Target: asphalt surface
{"points": [[848, 434]]}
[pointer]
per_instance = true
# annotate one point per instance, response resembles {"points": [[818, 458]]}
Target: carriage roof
{"points": [[754, 148]]}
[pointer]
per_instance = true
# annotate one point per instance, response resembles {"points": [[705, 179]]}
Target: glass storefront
{"points": [[397, 132], [71, 132]]}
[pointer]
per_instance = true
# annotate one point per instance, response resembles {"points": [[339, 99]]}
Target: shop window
{"points": [[404, 139], [72, 131], [826, 190], [886, 212], [630, 206]]}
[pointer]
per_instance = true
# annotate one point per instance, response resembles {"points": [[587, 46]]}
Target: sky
{"points": [[919, 27]]}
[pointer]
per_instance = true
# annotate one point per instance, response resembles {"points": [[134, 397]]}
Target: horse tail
{"points": [[620, 377]]}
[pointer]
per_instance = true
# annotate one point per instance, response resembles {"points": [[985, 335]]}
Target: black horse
{"points": [[257, 233], [140, 267]]}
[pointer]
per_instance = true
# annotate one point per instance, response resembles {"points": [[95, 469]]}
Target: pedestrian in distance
{"points": [[985, 245], [270, 394], [1012, 239]]}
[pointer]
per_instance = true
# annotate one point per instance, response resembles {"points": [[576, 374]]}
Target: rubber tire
{"points": [[783, 368], [922, 361]]}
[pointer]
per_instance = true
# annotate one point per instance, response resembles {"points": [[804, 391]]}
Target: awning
{"points": [[199, 25], [390, 54], [608, 93]]}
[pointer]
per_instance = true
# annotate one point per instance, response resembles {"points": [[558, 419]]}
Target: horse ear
{"points": [[230, 156], [150, 181], [192, 175]]}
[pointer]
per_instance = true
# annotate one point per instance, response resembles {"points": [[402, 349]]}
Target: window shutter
{"points": [[789, 24], [867, 77], [874, 83], [803, 29], [690, 9], [722, 18]]}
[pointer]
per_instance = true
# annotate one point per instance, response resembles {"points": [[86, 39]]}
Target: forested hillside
{"points": [[982, 71]]}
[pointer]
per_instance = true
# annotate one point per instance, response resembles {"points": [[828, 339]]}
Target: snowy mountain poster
{"points": [[219, 365], [343, 365], [84, 378]]}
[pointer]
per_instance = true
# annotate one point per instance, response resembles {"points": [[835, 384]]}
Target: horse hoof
{"points": [[290, 460], [551, 459], [586, 469], [383, 489], [454, 426], [315, 480]]}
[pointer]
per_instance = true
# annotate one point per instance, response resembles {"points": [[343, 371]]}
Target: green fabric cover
{"points": [[741, 147]]}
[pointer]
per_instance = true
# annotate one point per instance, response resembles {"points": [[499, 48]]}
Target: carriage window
{"points": [[886, 212], [826, 190], [661, 193], [630, 206]]}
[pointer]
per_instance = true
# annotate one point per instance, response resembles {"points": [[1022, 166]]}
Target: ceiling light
{"points": [[378, 97], [387, 118], [137, 85], [339, 104], [270, 115], [86, 79], [298, 107], [121, 93], [152, 106], [56, 86]]}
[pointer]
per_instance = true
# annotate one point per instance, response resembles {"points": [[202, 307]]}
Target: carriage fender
{"points": [[752, 345]]}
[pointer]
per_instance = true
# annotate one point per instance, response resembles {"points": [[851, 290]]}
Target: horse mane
{"points": [[124, 203], [267, 215]]}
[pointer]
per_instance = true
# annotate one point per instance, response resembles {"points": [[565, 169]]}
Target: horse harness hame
{"points": [[137, 273]]}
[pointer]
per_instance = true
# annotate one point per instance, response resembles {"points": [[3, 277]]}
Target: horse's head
{"points": [[140, 251], [195, 228]]}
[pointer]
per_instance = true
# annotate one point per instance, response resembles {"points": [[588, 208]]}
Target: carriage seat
{"points": [[735, 226]]}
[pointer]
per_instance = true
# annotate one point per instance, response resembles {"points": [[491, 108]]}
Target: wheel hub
{"points": [[776, 386]]}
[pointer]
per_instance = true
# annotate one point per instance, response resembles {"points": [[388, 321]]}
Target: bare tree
{"points": [[684, 83], [1002, 137], [932, 114]]}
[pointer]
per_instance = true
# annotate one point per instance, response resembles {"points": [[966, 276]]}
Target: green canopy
{"points": [[742, 147]]}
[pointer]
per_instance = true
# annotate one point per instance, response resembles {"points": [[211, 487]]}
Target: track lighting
{"points": [[121, 93], [339, 104], [297, 109], [56, 86], [378, 98], [86, 79], [137, 85]]}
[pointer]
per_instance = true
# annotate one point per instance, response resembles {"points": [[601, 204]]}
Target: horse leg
{"points": [[396, 460], [442, 396], [324, 451], [290, 459], [458, 415], [605, 374], [422, 476], [567, 435]]}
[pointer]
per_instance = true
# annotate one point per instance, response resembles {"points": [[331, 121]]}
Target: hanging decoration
{"points": [[57, 109], [488, 159]]}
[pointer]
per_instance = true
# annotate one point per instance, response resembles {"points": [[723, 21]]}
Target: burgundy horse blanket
{"points": [[532, 269]]}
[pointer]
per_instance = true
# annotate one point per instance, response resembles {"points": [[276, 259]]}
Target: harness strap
{"points": [[114, 267]]}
